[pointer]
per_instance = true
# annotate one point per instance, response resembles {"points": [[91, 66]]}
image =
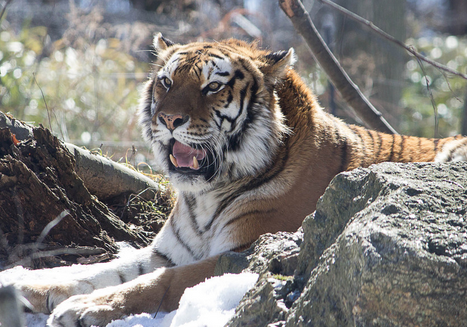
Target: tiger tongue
{"points": [[184, 155]]}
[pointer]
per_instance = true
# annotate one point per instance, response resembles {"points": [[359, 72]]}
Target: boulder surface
{"points": [[387, 246]]}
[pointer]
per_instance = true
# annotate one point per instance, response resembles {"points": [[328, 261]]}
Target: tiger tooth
{"points": [[173, 160], [195, 163]]}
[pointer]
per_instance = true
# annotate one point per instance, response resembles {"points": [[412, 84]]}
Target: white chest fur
{"points": [[196, 230]]}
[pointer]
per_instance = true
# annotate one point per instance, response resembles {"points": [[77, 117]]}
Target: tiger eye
{"points": [[214, 86], [167, 82]]}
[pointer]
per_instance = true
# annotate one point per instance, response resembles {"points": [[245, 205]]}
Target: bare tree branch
{"points": [[464, 116], [432, 98], [352, 95], [377, 30], [4, 8]]}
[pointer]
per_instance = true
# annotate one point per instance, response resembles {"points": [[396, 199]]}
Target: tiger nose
{"points": [[172, 121]]}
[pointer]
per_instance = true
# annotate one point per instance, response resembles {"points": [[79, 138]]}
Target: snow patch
{"points": [[211, 303]]}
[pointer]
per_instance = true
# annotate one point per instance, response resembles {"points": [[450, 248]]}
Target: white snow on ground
{"points": [[211, 303]]}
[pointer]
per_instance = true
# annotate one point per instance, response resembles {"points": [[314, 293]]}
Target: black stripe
{"points": [[237, 75], [222, 73], [356, 132], [122, 278], [141, 268], [380, 147], [363, 155], [221, 117], [391, 155], [215, 65], [170, 263], [370, 134], [276, 56], [230, 169], [253, 184], [191, 203], [236, 218], [229, 99], [180, 240], [215, 56], [449, 157], [242, 103], [251, 117], [402, 146], [197, 69], [233, 121], [436, 141], [48, 305], [343, 148], [217, 113], [419, 147]]}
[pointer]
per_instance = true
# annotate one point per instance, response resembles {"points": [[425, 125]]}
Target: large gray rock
{"points": [[387, 246], [274, 257]]}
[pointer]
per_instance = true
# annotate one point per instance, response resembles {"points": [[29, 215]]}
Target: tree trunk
{"points": [[103, 177], [43, 201], [456, 19]]}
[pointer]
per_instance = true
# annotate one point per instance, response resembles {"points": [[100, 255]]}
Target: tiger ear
{"points": [[276, 63], [161, 43]]}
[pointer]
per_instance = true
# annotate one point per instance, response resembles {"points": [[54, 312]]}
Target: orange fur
{"points": [[319, 147], [311, 148]]}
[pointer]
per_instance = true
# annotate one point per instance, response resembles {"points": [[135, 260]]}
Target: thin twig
{"points": [[47, 107], [376, 29], [160, 304], [4, 8], [136, 196], [50, 253], [43, 98], [432, 98], [302, 22], [51, 225], [449, 85]]}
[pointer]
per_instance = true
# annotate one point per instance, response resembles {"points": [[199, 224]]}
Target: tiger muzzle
{"points": [[172, 121]]}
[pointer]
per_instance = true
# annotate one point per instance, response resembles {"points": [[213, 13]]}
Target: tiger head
{"points": [[210, 111]]}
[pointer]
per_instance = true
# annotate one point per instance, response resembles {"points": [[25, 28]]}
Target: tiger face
{"points": [[210, 111]]}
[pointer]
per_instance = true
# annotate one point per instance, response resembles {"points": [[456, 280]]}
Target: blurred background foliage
{"points": [[83, 94], [77, 66]]}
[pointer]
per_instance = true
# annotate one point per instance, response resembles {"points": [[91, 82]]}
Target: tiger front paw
{"points": [[85, 310], [44, 297]]}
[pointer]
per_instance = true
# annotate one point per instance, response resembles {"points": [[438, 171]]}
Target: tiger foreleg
{"points": [[45, 289], [160, 289]]}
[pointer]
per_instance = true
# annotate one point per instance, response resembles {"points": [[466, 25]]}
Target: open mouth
{"points": [[187, 159]]}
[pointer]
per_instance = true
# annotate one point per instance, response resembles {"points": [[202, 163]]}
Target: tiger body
{"points": [[249, 150]]}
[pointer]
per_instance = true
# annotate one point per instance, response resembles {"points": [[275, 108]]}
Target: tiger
{"points": [[248, 149]]}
